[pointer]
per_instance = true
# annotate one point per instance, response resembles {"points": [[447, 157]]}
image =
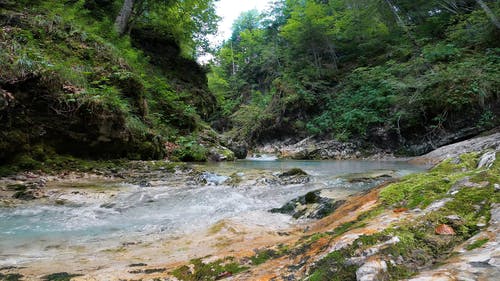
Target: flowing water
{"points": [[39, 230]]}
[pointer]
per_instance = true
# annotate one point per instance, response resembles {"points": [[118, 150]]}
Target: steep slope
{"points": [[70, 85]]}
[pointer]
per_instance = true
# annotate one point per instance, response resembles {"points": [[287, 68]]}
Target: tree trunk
{"points": [[489, 13], [123, 18]]}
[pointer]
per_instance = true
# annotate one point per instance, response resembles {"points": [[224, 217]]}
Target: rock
{"points": [[372, 270], [144, 183], [220, 153], [497, 187], [487, 160], [370, 176], [223, 275], [465, 182], [293, 176], [211, 179], [437, 205], [239, 149], [457, 149], [454, 220], [362, 256], [444, 229], [310, 148], [293, 172], [400, 210], [311, 206]]}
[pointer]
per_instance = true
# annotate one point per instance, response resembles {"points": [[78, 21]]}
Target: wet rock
{"points": [[239, 149], [372, 270], [369, 176], [211, 179], [294, 176], [311, 206], [293, 172], [144, 183], [487, 160], [444, 229]]}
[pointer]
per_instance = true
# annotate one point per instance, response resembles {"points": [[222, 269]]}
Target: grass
{"points": [[11, 277], [477, 244]]}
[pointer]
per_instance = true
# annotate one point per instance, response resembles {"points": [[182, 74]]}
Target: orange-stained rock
{"points": [[444, 229], [400, 210]]}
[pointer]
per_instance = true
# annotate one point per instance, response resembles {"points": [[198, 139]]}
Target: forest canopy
{"points": [[344, 69]]}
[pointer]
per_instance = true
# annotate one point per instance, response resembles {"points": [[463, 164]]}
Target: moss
{"points": [[334, 268], [316, 236], [191, 152], [477, 244], [207, 271], [137, 264], [11, 277], [263, 256], [17, 187], [343, 228], [60, 276], [148, 271], [311, 197], [422, 189]]}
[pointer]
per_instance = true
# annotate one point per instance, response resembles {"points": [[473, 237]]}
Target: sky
{"points": [[229, 10]]}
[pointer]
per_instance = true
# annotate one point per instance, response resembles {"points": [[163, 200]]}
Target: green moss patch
{"points": [[208, 271], [60, 276], [477, 244]]}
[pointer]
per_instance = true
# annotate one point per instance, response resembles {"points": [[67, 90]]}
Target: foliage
{"points": [[84, 72], [342, 68]]}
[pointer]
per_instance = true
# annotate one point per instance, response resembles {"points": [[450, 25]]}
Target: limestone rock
{"points": [[487, 160], [456, 149], [372, 270]]}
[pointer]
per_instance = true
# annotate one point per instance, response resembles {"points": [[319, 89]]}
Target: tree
{"points": [[187, 21], [123, 18], [489, 13]]}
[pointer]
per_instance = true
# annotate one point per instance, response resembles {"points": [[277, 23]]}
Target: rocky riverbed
{"points": [[165, 221]]}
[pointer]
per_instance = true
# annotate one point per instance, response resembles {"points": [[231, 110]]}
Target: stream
{"points": [[115, 214]]}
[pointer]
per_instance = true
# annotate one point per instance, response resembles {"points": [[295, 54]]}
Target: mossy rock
{"points": [[293, 172]]}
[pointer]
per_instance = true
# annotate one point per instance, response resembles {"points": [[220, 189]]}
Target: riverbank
{"points": [[390, 231]]}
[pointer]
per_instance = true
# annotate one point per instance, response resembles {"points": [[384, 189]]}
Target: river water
{"points": [[39, 230]]}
